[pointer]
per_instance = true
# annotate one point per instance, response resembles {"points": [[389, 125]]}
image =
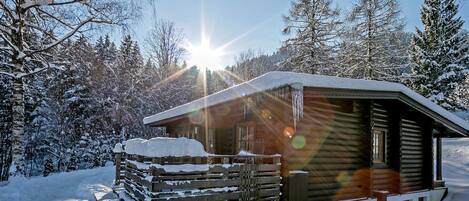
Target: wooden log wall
{"points": [[336, 148], [413, 153], [385, 176]]}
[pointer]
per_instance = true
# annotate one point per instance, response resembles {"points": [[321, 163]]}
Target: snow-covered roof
{"points": [[278, 79]]}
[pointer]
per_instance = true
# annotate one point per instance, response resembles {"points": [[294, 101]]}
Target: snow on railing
{"points": [[170, 168], [414, 196]]}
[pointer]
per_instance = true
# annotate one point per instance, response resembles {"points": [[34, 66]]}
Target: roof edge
{"points": [[277, 79]]}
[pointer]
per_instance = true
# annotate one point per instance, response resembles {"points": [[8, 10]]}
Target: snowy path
{"points": [[78, 185], [456, 168], [457, 180]]}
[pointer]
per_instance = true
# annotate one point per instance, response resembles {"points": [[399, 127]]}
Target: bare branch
{"points": [[65, 37], [36, 3]]}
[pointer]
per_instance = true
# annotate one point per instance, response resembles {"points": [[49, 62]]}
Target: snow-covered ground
{"points": [[456, 168], [80, 185], [67, 186]]}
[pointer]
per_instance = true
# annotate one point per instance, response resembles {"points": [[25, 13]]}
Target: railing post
{"points": [[381, 195], [297, 185], [118, 150]]}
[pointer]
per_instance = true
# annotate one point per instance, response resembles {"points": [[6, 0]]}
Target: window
{"points": [[211, 140], [247, 112], [243, 137], [195, 132], [379, 150]]}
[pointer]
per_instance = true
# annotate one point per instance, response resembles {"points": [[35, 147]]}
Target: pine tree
{"points": [[314, 27], [127, 90], [5, 126], [72, 162], [439, 53], [48, 167], [371, 47]]}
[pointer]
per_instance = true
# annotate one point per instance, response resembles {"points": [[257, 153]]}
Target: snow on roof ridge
{"points": [[277, 79]]}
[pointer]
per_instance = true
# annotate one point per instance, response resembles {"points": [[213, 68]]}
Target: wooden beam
{"points": [[438, 159]]}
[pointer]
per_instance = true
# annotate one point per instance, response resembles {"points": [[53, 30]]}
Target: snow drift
{"points": [[164, 147]]}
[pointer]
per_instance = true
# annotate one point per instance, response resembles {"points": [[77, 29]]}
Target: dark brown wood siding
{"points": [[336, 148], [385, 177], [413, 154]]}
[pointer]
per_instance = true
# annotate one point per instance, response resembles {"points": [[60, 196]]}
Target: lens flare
{"points": [[298, 142], [196, 117], [288, 132], [343, 177]]}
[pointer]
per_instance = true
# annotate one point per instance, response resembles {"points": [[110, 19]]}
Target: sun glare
{"points": [[203, 56]]}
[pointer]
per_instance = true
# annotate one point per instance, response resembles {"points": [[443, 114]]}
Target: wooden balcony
{"points": [[215, 177]]}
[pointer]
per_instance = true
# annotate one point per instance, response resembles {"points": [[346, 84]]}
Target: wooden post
{"points": [[118, 168], [297, 186], [118, 151], [381, 195], [438, 160]]}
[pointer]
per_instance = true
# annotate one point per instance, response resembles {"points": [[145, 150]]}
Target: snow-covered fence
{"points": [[120, 163], [183, 171]]}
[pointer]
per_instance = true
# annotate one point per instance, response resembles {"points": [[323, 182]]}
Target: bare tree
{"points": [[30, 30], [243, 66], [313, 27], [373, 44], [164, 46]]}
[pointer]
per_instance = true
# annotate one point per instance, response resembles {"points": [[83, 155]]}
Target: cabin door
{"points": [[224, 141]]}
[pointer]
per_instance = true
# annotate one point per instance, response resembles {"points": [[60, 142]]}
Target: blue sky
{"points": [[252, 24]]}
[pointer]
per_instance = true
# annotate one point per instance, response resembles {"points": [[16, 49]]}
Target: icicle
{"points": [[297, 102]]}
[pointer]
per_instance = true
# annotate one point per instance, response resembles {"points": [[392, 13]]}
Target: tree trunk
{"points": [[18, 123], [17, 129], [368, 73]]}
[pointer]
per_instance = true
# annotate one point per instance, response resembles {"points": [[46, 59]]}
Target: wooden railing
{"points": [[215, 177]]}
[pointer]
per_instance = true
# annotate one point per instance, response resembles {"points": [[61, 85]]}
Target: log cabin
{"points": [[349, 138]]}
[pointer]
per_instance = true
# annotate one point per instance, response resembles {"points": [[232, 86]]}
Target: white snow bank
{"points": [[164, 146], [245, 153], [118, 148], [76, 185], [456, 168], [181, 167]]}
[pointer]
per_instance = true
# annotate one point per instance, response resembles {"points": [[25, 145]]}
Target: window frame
{"points": [[378, 150], [211, 140], [248, 138]]}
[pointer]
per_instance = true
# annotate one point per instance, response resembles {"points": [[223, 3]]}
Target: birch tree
{"points": [[50, 23]]}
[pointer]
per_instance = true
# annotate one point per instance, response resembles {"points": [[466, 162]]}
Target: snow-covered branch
{"points": [[34, 3]]}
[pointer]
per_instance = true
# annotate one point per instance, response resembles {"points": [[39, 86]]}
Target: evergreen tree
{"points": [[48, 167], [127, 89], [72, 162], [314, 27], [439, 53], [371, 47], [5, 126]]}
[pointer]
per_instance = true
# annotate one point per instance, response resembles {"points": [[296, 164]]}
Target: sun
{"points": [[205, 57]]}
